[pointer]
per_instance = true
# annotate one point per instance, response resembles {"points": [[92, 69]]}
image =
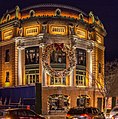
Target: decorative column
{"points": [[72, 78], [20, 79], [41, 68], [90, 73], [90, 68]]}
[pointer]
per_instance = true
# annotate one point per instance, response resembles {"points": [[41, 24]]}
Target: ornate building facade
{"points": [[60, 47]]}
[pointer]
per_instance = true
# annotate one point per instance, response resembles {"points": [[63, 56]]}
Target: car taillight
{"points": [[67, 115], [86, 115], [6, 118]]}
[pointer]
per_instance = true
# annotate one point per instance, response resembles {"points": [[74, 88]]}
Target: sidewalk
{"points": [[55, 116]]}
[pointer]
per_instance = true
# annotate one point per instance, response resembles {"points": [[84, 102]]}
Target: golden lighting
{"points": [[7, 84], [99, 39], [81, 33]]}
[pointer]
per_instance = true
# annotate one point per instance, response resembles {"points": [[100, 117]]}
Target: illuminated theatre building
{"points": [[58, 46]]}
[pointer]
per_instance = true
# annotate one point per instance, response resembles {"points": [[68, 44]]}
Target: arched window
{"points": [[81, 57], [8, 17], [32, 13], [81, 16], [57, 12]]}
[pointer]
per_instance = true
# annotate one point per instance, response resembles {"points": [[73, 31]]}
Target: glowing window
{"points": [[80, 78], [58, 81]]}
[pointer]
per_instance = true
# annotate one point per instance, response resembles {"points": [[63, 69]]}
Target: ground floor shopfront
{"points": [[60, 99], [50, 100]]}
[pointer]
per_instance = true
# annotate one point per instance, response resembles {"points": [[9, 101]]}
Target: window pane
{"points": [[81, 57], [32, 55], [7, 56]]}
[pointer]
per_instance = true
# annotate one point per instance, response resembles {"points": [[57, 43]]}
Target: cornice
{"points": [[7, 42], [86, 44]]}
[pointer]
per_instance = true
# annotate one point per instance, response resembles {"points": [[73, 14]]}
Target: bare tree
{"points": [[109, 78]]}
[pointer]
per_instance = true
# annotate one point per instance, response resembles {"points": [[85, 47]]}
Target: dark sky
{"points": [[106, 10]]}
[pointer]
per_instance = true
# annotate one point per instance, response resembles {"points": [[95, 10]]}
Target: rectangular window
{"points": [[7, 55], [81, 57], [32, 78], [57, 81], [32, 55], [99, 67], [7, 76], [80, 78]]}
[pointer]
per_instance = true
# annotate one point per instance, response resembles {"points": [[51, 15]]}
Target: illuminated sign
{"points": [[80, 32], [58, 29], [32, 31], [7, 34]]}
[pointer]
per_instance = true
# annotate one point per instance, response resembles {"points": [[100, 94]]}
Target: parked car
{"points": [[18, 113], [114, 111], [115, 116], [84, 113]]}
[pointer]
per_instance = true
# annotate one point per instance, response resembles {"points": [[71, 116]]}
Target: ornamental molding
{"points": [[29, 41], [85, 44], [55, 5], [99, 46], [7, 42], [50, 39], [70, 52], [82, 43]]}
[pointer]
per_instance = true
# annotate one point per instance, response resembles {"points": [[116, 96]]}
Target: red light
{"points": [[86, 115], [67, 115], [28, 107]]}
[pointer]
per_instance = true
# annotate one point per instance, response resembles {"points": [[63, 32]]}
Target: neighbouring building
{"points": [[60, 47]]}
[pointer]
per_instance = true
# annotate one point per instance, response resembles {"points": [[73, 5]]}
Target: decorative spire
{"points": [[17, 12], [91, 15]]}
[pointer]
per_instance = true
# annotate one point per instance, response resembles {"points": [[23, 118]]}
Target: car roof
{"points": [[83, 107], [10, 109]]}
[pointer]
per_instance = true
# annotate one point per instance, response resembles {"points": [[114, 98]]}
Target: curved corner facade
{"points": [[58, 46]]}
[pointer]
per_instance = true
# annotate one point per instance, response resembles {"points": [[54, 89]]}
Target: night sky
{"points": [[106, 10]]}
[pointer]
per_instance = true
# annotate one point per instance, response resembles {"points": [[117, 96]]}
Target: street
{"points": [[55, 117]]}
